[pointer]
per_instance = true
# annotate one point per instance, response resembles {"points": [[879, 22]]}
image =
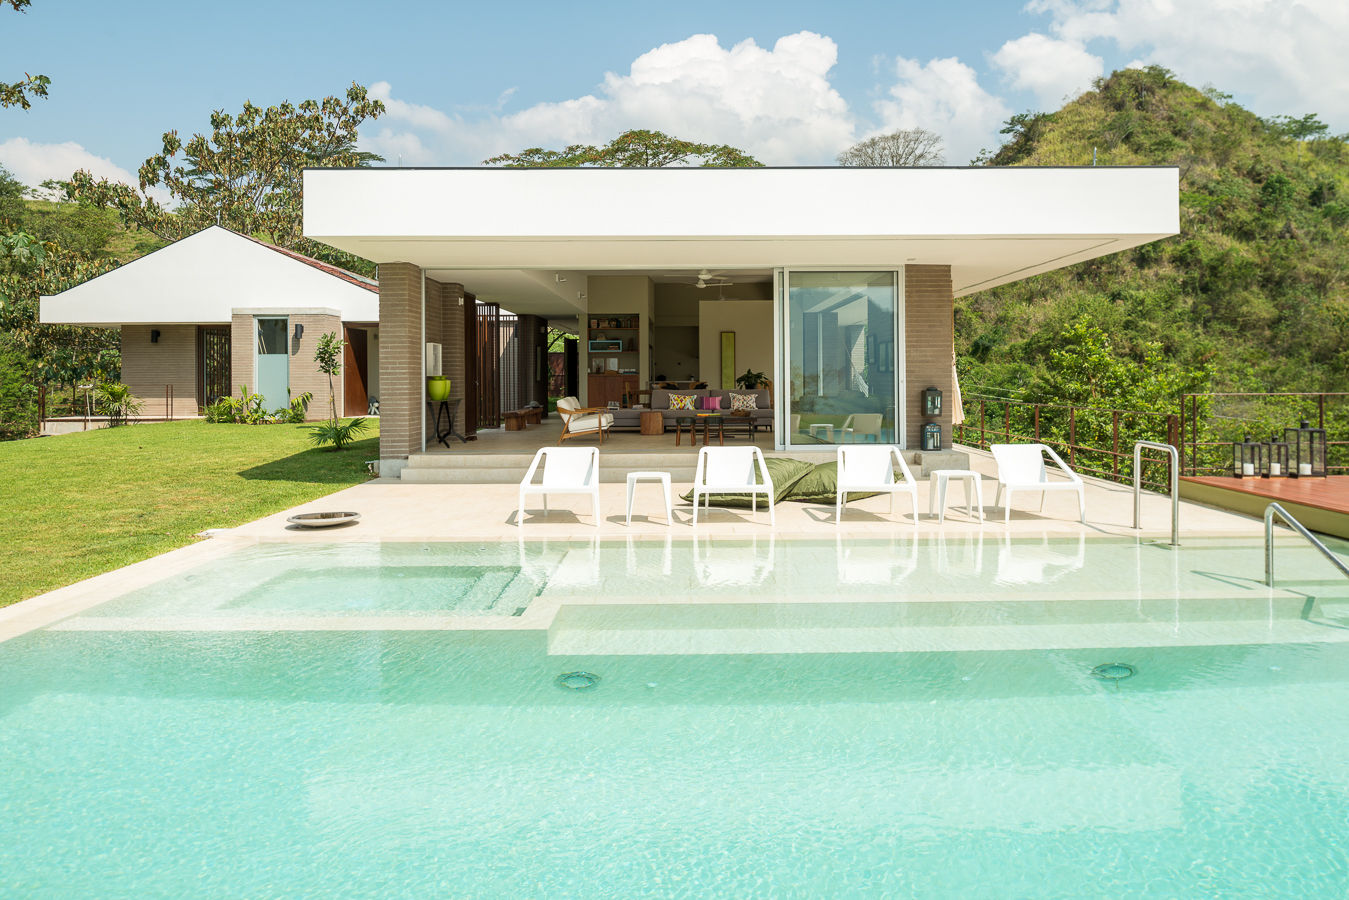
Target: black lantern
{"points": [[1247, 458], [1307, 447], [931, 436], [1276, 458], [931, 402]]}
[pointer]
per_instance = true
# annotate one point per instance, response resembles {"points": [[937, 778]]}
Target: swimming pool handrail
{"points": [[1275, 509], [1175, 485]]}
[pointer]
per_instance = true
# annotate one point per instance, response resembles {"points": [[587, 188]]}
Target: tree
{"points": [[246, 175], [12, 207], [906, 147], [637, 149], [328, 357], [1299, 128], [16, 93]]}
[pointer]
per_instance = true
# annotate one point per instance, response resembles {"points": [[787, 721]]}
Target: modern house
{"points": [[838, 283], [218, 310]]}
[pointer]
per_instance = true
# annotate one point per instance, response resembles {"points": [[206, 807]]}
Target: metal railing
{"points": [[1210, 423], [1174, 454], [1275, 509]]}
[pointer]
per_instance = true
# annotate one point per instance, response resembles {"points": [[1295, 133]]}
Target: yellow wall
{"points": [[752, 322]]}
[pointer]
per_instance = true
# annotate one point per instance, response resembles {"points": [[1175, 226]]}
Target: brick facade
{"points": [[400, 360], [148, 367], [243, 345], [304, 372], [929, 336], [452, 344]]}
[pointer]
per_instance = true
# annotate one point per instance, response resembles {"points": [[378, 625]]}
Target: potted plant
{"points": [[437, 388], [751, 380]]}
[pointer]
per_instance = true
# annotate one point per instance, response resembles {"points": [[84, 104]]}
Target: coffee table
{"points": [[682, 422], [707, 420], [742, 424]]}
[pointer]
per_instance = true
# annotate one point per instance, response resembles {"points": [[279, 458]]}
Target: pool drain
{"points": [[1115, 672], [577, 681]]}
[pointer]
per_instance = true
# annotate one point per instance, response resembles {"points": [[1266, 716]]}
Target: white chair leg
{"points": [[997, 498], [669, 517], [942, 483], [979, 496], [631, 490], [913, 496], [1042, 500]]}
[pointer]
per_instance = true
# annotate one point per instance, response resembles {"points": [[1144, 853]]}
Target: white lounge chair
{"points": [[566, 470], [1021, 467], [863, 425], [872, 469], [578, 420], [732, 470]]}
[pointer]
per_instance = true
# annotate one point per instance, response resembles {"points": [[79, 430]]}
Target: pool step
{"points": [[509, 468], [934, 626]]}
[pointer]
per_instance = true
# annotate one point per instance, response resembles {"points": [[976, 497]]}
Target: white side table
{"points": [[826, 427], [662, 477], [937, 481]]}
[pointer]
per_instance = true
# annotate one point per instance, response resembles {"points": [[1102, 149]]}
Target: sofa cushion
{"points": [[741, 402], [684, 401]]}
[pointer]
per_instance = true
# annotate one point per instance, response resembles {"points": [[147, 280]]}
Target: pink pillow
{"points": [[711, 403]]}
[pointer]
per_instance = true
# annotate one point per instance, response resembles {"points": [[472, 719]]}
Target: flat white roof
{"points": [[991, 225], [202, 278]]}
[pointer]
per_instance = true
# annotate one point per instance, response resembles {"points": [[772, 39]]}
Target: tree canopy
{"points": [[17, 93], [245, 174], [637, 149], [905, 147]]}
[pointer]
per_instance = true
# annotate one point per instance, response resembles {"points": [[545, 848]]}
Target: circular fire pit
{"points": [[324, 519]]}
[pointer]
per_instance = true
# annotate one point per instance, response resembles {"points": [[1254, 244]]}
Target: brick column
{"points": [[452, 341], [929, 336], [400, 364], [243, 347]]}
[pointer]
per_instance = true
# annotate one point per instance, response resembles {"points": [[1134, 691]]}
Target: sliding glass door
{"points": [[839, 357]]}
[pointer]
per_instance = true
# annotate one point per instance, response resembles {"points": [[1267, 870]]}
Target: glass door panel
{"points": [[273, 363], [840, 357]]}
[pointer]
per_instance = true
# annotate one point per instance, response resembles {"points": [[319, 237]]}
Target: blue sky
{"points": [[793, 82]]}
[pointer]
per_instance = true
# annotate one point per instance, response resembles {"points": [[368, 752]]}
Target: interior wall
{"points": [[675, 352], [752, 322], [628, 294]]}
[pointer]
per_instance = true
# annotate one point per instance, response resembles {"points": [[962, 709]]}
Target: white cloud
{"points": [[944, 96], [1053, 70], [1288, 57], [777, 104], [33, 163]]}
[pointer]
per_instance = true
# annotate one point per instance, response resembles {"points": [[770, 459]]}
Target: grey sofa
{"points": [[631, 419]]}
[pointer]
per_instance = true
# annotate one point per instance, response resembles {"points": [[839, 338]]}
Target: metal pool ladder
{"points": [[1275, 509], [1175, 485]]}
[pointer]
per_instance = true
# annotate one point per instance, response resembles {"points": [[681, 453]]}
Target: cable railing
{"points": [[1211, 423], [1275, 509]]}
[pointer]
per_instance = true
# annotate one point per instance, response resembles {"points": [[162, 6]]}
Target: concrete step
{"points": [[679, 475]]}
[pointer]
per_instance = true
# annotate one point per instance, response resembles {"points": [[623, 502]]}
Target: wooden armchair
{"points": [[579, 421]]}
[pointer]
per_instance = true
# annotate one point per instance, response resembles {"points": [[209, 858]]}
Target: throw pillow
{"points": [[744, 402], [784, 472], [683, 401], [711, 404]]}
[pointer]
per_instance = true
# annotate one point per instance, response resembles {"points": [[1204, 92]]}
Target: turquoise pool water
{"points": [[451, 763]]}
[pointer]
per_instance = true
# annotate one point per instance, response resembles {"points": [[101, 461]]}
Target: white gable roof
{"points": [[203, 278]]}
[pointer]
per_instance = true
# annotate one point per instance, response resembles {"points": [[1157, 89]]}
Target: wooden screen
{"points": [[488, 386], [213, 363]]}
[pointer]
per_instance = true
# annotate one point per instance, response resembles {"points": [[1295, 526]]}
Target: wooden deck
{"points": [[1321, 504]]}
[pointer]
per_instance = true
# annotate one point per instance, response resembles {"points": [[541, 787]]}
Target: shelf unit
{"points": [[607, 386]]}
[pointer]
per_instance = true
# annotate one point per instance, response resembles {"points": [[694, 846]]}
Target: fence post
{"points": [[1320, 410], [1037, 423], [983, 442], [1114, 427], [1007, 421], [1072, 436], [42, 403]]}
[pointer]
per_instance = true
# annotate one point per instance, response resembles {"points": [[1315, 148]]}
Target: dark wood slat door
{"points": [[355, 373]]}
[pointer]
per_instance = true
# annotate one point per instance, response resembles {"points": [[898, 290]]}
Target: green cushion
{"points": [[820, 485], [784, 472]]}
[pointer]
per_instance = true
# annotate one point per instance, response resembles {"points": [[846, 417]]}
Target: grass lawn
{"points": [[81, 504]]}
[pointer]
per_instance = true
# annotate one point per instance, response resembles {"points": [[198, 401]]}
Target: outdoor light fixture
{"points": [[931, 402], [1276, 458], [299, 331], [154, 335], [1247, 456], [1307, 446], [931, 436]]}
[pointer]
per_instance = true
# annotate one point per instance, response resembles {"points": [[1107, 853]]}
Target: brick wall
{"points": [[243, 344], [147, 367], [929, 336], [304, 372], [400, 360], [452, 344], [435, 334]]}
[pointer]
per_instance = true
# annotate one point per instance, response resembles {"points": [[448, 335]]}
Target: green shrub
{"points": [[336, 434], [115, 401]]}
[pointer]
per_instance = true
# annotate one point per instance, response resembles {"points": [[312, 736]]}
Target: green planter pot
{"points": [[437, 388]]}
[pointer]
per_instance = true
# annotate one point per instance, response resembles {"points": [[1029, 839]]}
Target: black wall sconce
{"points": [[299, 331], [154, 335]]}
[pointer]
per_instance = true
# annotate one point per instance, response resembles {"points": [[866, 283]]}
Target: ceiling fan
{"points": [[711, 279]]}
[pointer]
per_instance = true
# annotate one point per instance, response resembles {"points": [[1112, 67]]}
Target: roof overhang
{"points": [[991, 225]]}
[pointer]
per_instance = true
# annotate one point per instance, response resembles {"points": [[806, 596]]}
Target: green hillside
{"points": [[1250, 296]]}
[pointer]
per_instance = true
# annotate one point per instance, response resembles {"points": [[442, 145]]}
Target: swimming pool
{"points": [[232, 758]]}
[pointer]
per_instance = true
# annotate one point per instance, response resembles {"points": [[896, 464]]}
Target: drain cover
{"points": [[1114, 671], [577, 681]]}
